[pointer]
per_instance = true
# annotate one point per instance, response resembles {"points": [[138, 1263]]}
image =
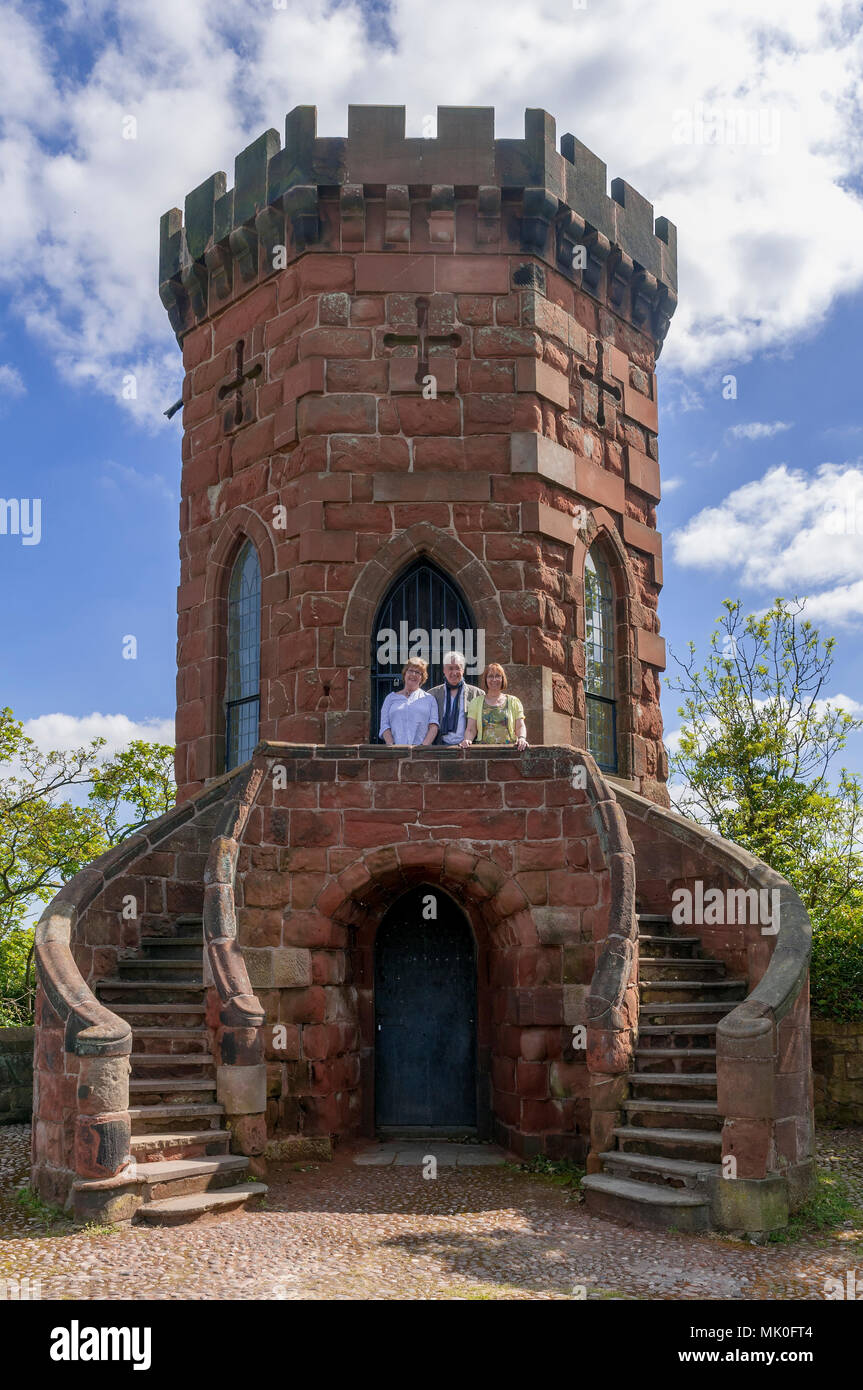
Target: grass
{"points": [[56, 1221], [50, 1217], [827, 1208], [556, 1172]]}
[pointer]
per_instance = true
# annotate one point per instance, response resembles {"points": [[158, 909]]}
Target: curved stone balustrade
{"points": [[242, 1073], [763, 1055]]}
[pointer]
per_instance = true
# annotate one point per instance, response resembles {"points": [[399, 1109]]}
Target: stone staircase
{"points": [[666, 1160], [179, 1142]]}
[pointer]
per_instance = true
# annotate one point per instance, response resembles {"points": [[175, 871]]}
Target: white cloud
{"points": [[789, 532], [840, 606], [671, 485], [672, 741], [63, 732], [758, 429], [843, 702], [704, 460], [81, 204], [122, 477], [11, 381]]}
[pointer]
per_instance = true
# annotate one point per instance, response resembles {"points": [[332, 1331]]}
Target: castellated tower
{"points": [[418, 371], [420, 411]]}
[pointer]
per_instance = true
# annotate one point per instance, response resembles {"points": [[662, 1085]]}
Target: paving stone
{"points": [[359, 1229]]}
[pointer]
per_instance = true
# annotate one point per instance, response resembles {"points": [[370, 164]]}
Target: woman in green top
{"points": [[495, 717]]}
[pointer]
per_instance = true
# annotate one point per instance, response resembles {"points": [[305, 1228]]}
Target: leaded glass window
{"points": [[242, 690], [599, 662]]}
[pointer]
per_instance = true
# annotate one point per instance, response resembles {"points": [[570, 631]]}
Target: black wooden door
{"points": [[422, 600], [425, 1016]]}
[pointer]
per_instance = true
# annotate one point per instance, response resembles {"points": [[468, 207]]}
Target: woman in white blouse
{"points": [[410, 715]]}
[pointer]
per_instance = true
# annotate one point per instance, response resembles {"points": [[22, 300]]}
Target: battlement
{"points": [[558, 198]]}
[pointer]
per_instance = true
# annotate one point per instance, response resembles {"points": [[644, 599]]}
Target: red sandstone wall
{"points": [[371, 474], [517, 848]]}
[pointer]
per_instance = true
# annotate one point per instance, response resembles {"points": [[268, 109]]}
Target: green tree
{"points": [[756, 761], [46, 837]]}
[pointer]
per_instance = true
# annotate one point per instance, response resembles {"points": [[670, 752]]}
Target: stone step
{"points": [[678, 947], [162, 972], [144, 1010], [180, 1143], [170, 1042], [653, 940], [161, 966], [651, 1014], [697, 991], [173, 949], [686, 967], [193, 1115], [176, 1211], [695, 1144], [119, 991], [677, 1172], [645, 1205], [677, 1030], [655, 924], [172, 941], [178, 1177], [684, 1061], [171, 1059], [673, 1085], [168, 1016], [154, 1068], [125, 985], [145, 1092], [688, 1114]]}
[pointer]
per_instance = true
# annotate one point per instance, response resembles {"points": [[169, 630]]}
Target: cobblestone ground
{"points": [[343, 1231]]}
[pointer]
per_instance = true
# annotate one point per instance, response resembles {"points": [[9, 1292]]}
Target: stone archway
{"points": [[229, 533], [504, 930], [420, 541], [603, 535]]}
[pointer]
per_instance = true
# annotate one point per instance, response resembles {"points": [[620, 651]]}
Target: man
{"points": [[453, 698]]}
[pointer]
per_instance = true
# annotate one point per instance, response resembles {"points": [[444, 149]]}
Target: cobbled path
{"points": [[341, 1231]]}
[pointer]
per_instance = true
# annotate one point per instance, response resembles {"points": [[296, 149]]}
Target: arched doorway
{"points": [[425, 1016], [423, 613]]}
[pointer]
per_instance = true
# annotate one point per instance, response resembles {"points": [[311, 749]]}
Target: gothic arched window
{"points": [[599, 661], [242, 687], [423, 613]]}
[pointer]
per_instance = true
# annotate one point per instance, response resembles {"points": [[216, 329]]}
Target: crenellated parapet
{"points": [[376, 190]]}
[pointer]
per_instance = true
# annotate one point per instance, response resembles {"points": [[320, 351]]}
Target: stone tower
{"points": [[404, 349], [419, 394]]}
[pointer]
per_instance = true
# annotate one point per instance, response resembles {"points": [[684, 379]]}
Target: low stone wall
{"points": [[837, 1061], [16, 1075]]}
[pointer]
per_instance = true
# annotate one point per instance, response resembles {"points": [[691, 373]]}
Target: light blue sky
{"points": [[771, 239]]}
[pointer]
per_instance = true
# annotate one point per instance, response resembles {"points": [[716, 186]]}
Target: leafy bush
{"points": [[837, 969], [16, 990]]}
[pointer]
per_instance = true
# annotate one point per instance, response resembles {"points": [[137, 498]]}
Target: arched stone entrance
{"points": [[425, 1065], [507, 951]]}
